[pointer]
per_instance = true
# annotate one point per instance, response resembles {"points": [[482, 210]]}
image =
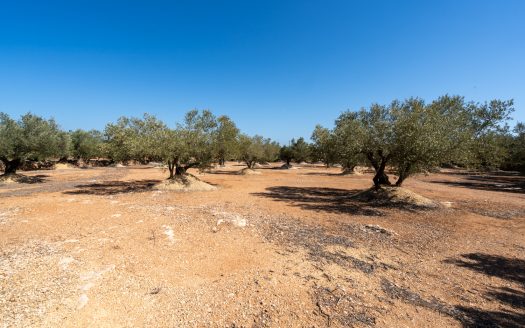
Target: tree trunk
{"points": [[400, 180], [171, 167], [288, 162], [11, 166], [180, 170], [381, 178], [221, 161], [403, 174], [348, 169]]}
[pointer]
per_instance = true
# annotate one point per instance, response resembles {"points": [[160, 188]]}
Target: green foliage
{"points": [[31, 137], [286, 154], [516, 146], [134, 139], [300, 150], [411, 136], [191, 144], [424, 136], [271, 150], [195, 139], [257, 149], [491, 133], [323, 147], [86, 144], [345, 142], [226, 139]]}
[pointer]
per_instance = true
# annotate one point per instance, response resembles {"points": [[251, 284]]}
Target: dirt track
{"points": [[287, 248]]}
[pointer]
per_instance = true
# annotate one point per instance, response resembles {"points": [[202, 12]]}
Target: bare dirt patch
{"points": [[103, 247]]}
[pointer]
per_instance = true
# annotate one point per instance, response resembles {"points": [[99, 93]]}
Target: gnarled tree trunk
{"points": [[171, 168], [348, 169], [11, 165], [249, 163], [180, 170], [403, 174], [380, 178]]}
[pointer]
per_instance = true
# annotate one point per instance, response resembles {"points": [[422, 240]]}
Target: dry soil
{"points": [[101, 247]]}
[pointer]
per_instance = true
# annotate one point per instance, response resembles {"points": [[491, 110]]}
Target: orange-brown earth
{"points": [[286, 248]]}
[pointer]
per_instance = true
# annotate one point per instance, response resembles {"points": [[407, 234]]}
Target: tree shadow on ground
{"points": [[324, 174], [25, 179], [510, 269], [494, 182], [493, 265], [320, 199], [223, 172], [113, 187]]}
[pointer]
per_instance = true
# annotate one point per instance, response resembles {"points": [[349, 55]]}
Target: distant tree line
{"points": [[199, 141], [404, 138]]}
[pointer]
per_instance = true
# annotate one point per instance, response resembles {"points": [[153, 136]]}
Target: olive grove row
{"points": [[406, 137]]}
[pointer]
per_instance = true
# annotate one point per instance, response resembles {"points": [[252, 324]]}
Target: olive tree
{"points": [[297, 150], [424, 136], [286, 154], [516, 159], [86, 144], [31, 137], [271, 150], [411, 136], [190, 144], [345, 142], [134, 138], [300, 150], [251, 149], [323, 146], [257, 149], [491, 133], [119, 140], [226, 139]]}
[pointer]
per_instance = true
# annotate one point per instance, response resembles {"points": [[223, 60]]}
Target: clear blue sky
{"points": [[276, 67]]}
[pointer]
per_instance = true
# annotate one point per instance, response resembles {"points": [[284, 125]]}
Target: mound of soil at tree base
{"points": [[64, 166], [248, 171], [288, 167], [355, 171], [395, 196], [186, 182], [18, 178]]}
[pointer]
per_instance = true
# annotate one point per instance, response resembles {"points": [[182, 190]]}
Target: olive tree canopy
{"points": [[134, 138], [323, 147], [411, 136], [86, 144], [257, 149], [190, 144], [226, 139], [31, 137]]}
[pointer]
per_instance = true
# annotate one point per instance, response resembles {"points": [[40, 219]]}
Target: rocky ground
{"points": [[284, 248]]}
